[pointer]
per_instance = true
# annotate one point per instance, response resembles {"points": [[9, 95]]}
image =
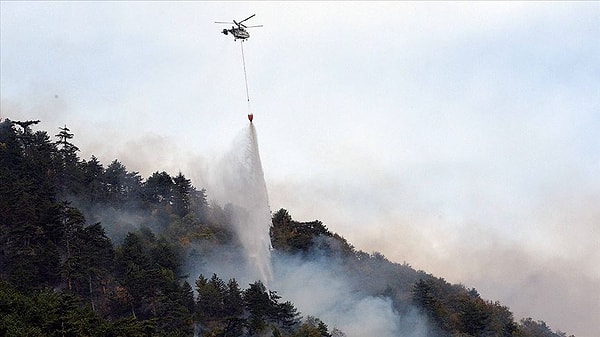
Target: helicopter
{"points": [[240, 31]]}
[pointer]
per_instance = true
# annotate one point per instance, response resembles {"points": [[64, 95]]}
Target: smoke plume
{"points": [[320, 287]]}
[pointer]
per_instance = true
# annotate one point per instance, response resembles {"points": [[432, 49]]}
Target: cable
{"points": [[245, 76]]}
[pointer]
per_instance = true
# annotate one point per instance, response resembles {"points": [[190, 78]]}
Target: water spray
{"points": [[245, 189]]}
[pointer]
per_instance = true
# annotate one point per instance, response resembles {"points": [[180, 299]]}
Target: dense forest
{"points": [[94, 250]]}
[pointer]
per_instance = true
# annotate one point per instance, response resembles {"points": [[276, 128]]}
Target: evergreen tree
{"points": [[425, 297], [211, 294], [92, 175], [158, 189], [287, 316], [72, 223], [258, 304], [123, 188], [187, 297], [233, 301], [182, 189], [69, 174], [165, 255], [199, 204], [30, 229], [475, 317], [94, 263], [133, 265], [233, 304]]}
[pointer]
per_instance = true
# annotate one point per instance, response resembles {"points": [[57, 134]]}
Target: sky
{"points": [[458, 137]]}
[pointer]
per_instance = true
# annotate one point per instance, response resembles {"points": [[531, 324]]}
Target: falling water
{"points": [[245, 188]]}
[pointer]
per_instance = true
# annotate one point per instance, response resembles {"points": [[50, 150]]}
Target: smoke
{"points": [[237, 180], [540, 259], [320, 287]]}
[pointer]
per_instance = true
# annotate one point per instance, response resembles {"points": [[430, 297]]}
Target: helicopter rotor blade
{"points": [[253, 26], [229, 23], [248, 18]]}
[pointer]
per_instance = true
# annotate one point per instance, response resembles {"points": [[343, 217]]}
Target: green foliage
{"points": [[531, 328], [461, 311], [122, 188], [313, 327], [210, 294], [182, 191], [46, 313], [233, 312], [295, 237]]}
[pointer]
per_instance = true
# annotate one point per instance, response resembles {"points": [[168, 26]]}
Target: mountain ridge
{"points": [[94, 250]]}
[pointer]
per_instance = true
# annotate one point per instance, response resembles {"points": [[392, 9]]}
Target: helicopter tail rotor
{"points": [[225, 31]]}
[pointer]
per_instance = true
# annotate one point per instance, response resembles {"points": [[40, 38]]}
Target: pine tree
{"points": [[69, 174], [233, 304], [158, 189], [187, 297], [123, 188], [96, 257], [233, 301], [182, 189], [258, 304]]}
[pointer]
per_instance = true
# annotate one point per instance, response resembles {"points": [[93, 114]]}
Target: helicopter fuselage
{"points": [[237, 33]]}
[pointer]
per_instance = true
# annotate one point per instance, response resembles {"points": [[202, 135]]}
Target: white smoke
{"points": [[319, 287]]}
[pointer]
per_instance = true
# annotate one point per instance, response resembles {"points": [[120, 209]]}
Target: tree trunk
{"points": [[91, 292]]}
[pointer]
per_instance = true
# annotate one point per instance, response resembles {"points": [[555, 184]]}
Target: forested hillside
{"points": [[94, 250]]}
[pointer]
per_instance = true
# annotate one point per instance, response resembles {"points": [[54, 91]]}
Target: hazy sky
{"points": [[460, 137]]}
